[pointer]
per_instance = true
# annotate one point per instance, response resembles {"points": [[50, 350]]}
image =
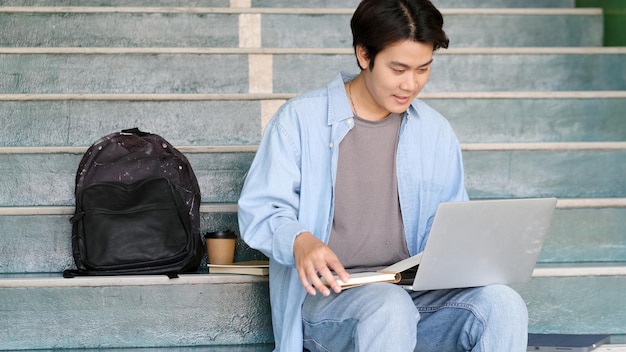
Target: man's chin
{"points": [[399, 109]]}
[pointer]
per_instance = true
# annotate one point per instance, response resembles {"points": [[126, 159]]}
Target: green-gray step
{"points": [[567, 173], [231, 120], [492, 171], [284, 28], [565, 117], [206, 70], [209, 310], [442, 4], [80, 123], [263, 347], [196, 309], [38, 240], [577, 305], [612, 347], [284, 3]]}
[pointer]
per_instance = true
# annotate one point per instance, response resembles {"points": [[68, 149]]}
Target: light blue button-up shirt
{"points": [[290, 187]]}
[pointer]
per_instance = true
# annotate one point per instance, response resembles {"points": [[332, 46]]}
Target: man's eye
{"points": [[398, 71]]}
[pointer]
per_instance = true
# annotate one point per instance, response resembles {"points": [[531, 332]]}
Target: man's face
{"points": [[400, 72]]}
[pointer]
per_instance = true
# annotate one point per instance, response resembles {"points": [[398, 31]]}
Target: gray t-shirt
{"points": [[367, 231]]}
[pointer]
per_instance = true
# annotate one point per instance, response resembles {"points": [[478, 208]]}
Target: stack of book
{"points": [[254, 267]]}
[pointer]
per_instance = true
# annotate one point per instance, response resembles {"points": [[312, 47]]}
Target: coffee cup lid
{"points": [[221, 234]]}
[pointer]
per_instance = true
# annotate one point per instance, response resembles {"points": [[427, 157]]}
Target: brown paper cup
{"points": [[220, 247]]}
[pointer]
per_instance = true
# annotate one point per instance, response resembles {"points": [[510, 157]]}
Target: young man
{"points": [[348, 178]]}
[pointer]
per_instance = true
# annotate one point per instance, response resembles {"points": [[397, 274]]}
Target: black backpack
{"points": [[137, 208]]}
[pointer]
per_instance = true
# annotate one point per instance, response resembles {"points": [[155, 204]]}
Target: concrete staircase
{"points": [[538, 104]]}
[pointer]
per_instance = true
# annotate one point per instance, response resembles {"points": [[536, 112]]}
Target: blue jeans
{"points": [[386, 317]]}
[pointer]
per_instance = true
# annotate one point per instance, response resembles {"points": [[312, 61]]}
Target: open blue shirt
{"points": [[290, 187]]}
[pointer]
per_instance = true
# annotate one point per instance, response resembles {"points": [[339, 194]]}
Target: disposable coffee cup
{"points": [[220, 246]]}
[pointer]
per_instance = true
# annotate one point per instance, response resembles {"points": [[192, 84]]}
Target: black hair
{"points": [[379, 23]]}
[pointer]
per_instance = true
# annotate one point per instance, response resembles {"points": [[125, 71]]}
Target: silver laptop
{"points": [[566, 342], [483, 242]]}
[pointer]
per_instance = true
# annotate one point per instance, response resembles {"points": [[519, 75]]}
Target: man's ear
{"points": [[362, 57]]}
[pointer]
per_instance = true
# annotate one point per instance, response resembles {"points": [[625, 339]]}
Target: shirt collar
{"points": [[339, 108]]}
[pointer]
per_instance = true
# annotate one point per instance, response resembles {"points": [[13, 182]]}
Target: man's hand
{"points": [[315, 259]]}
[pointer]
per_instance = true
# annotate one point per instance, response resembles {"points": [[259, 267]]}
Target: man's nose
{"points": [[410, 83]]}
